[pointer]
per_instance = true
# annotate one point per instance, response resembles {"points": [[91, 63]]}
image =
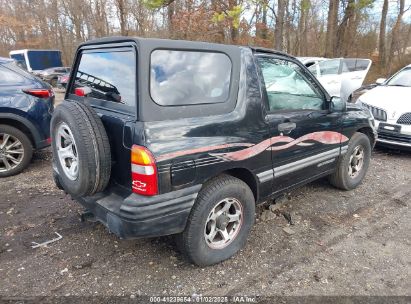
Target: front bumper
{"points": [[393, 135], [133, 216], [392, 141]]}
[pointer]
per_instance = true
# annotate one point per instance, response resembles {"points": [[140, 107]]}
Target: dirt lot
{"points": [[341, 243]]}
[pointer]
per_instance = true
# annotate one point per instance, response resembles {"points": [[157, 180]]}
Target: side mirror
{"points": [[337, 104], [380, 81]]}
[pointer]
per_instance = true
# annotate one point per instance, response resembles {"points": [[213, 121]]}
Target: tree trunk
{"points": [[279, 25], [332, 23], [302, 27], [344, 29], [122, 16], [395, 33], [381, 42]]}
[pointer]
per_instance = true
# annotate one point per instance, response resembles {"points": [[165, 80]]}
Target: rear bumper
{"points": [[136, 216]]}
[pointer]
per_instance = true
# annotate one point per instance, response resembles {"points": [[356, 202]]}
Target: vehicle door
{"points": [[355, 70], [328, 74], [305, 133]]}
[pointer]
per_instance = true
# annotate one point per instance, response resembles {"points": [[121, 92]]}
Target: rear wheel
{"points": [[15, 151], [353, 166], [219, 223]]}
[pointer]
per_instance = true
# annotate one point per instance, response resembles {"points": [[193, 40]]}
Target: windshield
{"points": [[401, 79]]}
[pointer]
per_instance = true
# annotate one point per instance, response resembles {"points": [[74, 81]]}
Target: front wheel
{"points": [[219, 223], [353, 166]]}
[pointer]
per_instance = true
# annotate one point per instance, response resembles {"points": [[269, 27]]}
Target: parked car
{"points": [[309, 61], [51, 75], [390, 104], [159, 137], [341, 76], [62, 80], [360, 91], [26, 104]]}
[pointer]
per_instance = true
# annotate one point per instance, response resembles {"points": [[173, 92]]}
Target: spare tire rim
{"points": [[11, 152], [223, 223], [67, 151], [356, 161]]}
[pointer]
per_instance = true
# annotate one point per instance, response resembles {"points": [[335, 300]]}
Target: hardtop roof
{"points": [[184, 43]]}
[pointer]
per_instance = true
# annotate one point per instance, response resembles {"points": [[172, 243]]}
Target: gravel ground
{"points": [[341, 243]]}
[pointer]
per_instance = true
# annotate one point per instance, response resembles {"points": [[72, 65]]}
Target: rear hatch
{"points": [[106, 78]]}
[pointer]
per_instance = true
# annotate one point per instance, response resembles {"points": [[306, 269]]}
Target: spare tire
{"points": [[81, 150]]}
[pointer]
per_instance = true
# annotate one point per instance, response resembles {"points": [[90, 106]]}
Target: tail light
{"points": [[82, 91], [143, 171], [40, 93]]}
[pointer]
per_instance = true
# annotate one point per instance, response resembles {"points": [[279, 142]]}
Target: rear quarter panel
{"points": [[189, 151]]}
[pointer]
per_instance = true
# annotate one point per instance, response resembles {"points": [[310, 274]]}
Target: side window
{"points": [[111, 75], [348, 65], [288, 86], [9, 77], [362, 64], [313, 69], [329, 67], [187, 77]]}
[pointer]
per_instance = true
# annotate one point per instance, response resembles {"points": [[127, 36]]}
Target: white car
{"points": [[341, 76], [309, 61], [390, 104]]}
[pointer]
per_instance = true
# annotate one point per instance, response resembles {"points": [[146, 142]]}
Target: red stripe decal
{"points": [[324, 137]]}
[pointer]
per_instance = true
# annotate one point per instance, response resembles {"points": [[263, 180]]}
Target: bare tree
{"points": [[381, 40], [395, 33], [279, 24], [332, 23]]}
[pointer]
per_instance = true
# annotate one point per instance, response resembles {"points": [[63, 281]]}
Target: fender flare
{"points": [[27, 123]]}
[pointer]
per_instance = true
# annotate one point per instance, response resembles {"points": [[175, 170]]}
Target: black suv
{"points": [[160, 137]]}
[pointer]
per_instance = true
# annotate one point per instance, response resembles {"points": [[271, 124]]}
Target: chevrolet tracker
{"points": [[160, 137]]}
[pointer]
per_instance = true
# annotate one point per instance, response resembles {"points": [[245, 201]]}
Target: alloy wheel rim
{"points": [[67, 151], [11, 152], [356, 162], [223, 223]]}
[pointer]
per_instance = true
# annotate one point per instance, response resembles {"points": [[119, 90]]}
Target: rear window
{"points": [[353, 65], [188, 78], [111, 75], [10, 77], [329, 67]]}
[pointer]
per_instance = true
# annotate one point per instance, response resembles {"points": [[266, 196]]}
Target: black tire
{"points": [[27, 150], [92, 149], [341, 177], [192, 243]]}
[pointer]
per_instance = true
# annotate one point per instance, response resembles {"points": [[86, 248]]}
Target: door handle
{"points": [[286, 127]]}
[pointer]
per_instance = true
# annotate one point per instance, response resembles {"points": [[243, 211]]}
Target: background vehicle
{"points": [[34, 60], [26, 104], [186, 137], [51, 75], [390, 104], [309, 61], [62, 80], [342, 75]]}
